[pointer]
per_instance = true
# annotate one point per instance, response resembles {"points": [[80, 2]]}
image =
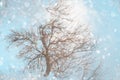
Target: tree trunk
{"points": [[48, 66]]}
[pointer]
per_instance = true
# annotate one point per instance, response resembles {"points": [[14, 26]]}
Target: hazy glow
{"points": [[78, 13]]}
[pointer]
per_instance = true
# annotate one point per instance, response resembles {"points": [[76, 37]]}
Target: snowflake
{"points": [[115, 30], [91, 3], [8, 21], [98, 51], [1, 60], [53, 78], [103, 56], [109, 54], [100, 40], [105, 49], [1, 4], [2, 36], [113, 14]]}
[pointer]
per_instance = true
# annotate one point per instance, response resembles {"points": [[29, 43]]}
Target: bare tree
{"points": [[53, 48]]}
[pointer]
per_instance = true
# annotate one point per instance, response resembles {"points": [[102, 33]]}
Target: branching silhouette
{"points": [[53, 48]]}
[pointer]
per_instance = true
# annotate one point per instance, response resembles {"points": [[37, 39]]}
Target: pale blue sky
{"points": [[106, 30]]}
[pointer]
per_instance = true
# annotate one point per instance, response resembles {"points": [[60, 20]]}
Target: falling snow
{"points": [[1, 60], [102, 17]]}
